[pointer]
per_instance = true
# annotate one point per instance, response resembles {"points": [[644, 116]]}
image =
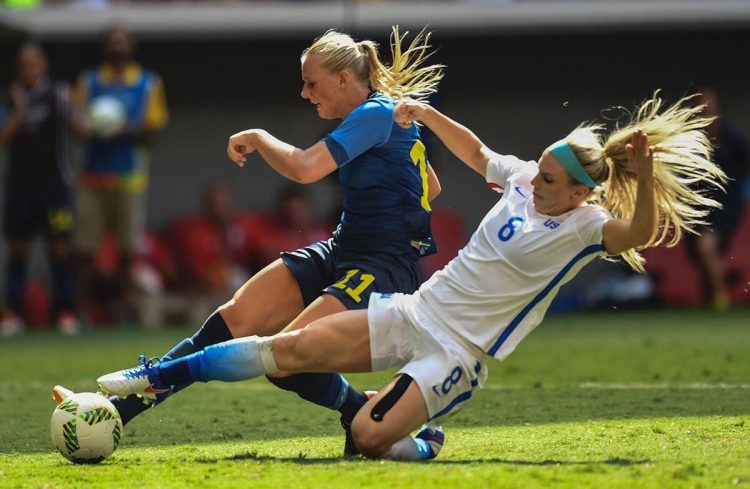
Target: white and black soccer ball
{"points": [[106, 115], [86, 428]]}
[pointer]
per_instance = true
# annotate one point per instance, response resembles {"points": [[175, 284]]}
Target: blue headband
{"points": [[562, 152]]}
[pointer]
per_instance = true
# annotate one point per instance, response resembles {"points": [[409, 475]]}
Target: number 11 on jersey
{"points": [[418, 158]]}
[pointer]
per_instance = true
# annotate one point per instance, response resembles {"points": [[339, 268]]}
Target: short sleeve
{"points": [[590, 224], [368, 126], [501, 167], [80, 91], [156, 108]]}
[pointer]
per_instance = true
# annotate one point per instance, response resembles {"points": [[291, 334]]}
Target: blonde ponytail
{"points": [[406, 77], [684, 174]]}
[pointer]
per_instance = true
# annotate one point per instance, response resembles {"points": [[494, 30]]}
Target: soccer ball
{"points": [[106, 115], [86, 428]]}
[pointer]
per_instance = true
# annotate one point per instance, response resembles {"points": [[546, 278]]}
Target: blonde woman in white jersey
{"points": [[587, 197]]}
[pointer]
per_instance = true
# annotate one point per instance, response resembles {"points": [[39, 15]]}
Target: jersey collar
{"points": [[130, 76]]}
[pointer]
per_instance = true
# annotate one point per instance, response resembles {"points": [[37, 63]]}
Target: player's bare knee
{"points": [[293, 348], [370, 438], [707, 244], [240, 320], [229, 311]]}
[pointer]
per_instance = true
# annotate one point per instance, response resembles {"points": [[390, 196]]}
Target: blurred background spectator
{"points": [[223, 75], [34, 125], [449, 232], [709, 248], [216, 251], [114, 172], [291, 226]]}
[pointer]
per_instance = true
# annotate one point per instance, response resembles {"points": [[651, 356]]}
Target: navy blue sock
{"points": [[63, 284], [176, 373], [213, 331], [327, 390], [130, 407], [352, 404], [15, 283]]}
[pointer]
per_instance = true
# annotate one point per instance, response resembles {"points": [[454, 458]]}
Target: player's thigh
{"points": [[341, 338], [58, 211], [20, 215], [90, 218], [337, 342], [350, 291], [266, 303], [128, 219], [356, 280], [19, 249], [444, 370], [323, 306], [408, 412]]}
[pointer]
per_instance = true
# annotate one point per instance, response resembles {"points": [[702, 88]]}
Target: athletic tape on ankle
{"points": [[265, 346]]}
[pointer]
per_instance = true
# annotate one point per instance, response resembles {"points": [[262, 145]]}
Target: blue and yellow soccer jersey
{"points": [[121, 161], [383, 169]]}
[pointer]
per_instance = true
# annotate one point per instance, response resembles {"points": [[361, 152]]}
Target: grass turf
{"points": [[620, 399]]}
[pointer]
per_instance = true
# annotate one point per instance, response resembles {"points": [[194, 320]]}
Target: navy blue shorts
{"points": [[28, 211], [322, 268]]}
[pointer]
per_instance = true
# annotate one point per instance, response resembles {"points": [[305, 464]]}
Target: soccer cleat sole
{"points": [[60, 393]]}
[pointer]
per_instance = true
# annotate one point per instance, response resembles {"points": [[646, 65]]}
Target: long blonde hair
{"points": [[406, 77], [684, 173]]}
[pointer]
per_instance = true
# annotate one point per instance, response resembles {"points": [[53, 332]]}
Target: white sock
{"points": [[409, 448]]}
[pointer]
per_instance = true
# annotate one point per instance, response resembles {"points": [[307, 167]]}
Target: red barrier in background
{"points": [[678, 282]]}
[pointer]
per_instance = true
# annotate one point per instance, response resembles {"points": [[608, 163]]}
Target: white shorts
{"points": [[446, 369]]}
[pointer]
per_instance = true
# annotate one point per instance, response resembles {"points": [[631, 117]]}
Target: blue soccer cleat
{"points": [[143, 381], [434, 436]]}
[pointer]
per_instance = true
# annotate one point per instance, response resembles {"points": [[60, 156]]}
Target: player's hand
{"points": [[407, 111], [240, 144], [640, 154], [18, 97]]}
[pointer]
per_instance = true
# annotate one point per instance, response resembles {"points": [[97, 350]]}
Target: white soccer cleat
{"points": [[11, 325], [60, 393], [68, 325], [141, 381]]}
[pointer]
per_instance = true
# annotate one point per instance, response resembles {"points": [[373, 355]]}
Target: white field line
{"points": [[267, 386], [585, 385], [637, 385]]}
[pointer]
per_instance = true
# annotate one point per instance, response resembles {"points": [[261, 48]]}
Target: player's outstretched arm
{"points": [[302, 166], [620, 235], [457, 138]]}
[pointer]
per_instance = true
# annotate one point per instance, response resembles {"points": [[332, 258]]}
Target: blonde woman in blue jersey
{"points": [[385, 224], [588, 196]]}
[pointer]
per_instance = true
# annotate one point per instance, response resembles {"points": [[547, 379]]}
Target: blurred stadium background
{"points": [[519, 73]]}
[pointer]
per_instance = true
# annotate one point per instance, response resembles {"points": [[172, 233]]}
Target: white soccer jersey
{"points": [[498, 288]]}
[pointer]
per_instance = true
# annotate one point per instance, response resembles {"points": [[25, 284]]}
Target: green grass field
{"points": [[619, 399]]}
